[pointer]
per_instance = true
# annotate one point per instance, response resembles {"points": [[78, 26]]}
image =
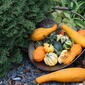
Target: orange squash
{"points": [[82, 32], [39, 54], [75, 50], [64, 75], [74, 35], [41, 33]]}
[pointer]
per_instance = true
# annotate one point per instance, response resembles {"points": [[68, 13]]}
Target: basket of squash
{"points": [[56, 47]]}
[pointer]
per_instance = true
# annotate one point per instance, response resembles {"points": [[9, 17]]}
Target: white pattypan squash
{"points": [[62, 56], [51, 59]]}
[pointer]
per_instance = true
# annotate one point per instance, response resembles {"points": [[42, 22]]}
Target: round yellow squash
{"points": [[48, 47], [51, 59]]}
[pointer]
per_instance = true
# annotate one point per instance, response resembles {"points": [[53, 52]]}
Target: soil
{"points": [[25, 75]]}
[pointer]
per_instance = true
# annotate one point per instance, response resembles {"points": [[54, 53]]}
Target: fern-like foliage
{"points": [[18, 19]]}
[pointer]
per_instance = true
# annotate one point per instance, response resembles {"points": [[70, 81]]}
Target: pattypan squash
{"points": [[62, 38], [51, 59], [62, 56], [67, 44], [48, 47], [59, 37]]}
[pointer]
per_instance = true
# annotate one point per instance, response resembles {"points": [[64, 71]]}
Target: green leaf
{"points": [[80, 23], [67, 15]]}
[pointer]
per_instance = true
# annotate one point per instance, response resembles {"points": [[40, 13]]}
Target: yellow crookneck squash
{"points": [[82, 32], [74, 35], [64, 75], [41, 33]]}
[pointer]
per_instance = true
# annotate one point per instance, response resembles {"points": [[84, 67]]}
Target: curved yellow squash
{"points": [[74, 35], [41, 33], [64, 75]]}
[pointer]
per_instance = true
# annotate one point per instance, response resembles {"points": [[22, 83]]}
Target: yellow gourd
{"points": [[48, 47], [41, 33], [64, 75], [74, 35]]}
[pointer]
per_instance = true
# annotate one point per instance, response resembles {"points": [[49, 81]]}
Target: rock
{"points": [[83, 62], [26, 70], [83, 66], [80, 84], [79, 65], [38, 71], [1, 82], [11, 82], [83, 82], [25, 84], [18, 83], [16, 78]]}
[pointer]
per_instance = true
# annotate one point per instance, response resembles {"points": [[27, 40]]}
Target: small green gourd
{"points": [[67, 44], [58, 47]]}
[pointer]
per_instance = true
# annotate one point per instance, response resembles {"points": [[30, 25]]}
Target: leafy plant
{"points": [[18, 19], [68, 17]]}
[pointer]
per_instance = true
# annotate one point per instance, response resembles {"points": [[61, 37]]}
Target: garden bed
{"points": [[26, 73]]}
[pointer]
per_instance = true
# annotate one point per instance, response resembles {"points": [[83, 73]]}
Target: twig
{"points": [[61, 8], [78, 14], [58, 8], [68, 9]]}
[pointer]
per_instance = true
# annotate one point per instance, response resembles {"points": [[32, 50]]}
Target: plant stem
{"points": [[68, 9], [78, 14], [61, 8]]}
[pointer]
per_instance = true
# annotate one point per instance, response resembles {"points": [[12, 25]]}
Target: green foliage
{"points": [[18, 19], [68, 17]]}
